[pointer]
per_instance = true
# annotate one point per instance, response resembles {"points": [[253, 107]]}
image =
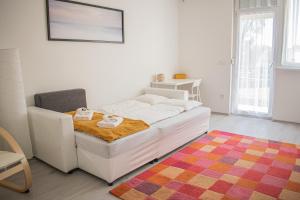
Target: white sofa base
{"points": [[55, 141], [108, 163], [179, 130], [180, 139], [110, 169]]}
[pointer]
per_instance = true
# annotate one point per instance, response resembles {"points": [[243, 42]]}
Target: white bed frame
{"points": [[54, 141]]}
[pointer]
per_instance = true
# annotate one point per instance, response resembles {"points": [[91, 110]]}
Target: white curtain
{"points": [[255, 57], [292, 33]]}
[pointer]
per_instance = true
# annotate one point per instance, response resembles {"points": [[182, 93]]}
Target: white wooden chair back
{"points": [[195, 90], [196, 83]]}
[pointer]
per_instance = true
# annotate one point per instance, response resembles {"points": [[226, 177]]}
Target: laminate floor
{"points": [[50, 184]]}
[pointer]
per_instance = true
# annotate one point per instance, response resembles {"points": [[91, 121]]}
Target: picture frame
{"points": [[82, 22]]}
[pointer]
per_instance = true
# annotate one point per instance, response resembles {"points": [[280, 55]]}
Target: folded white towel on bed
{"points": [[83, 114], [110, 121]]}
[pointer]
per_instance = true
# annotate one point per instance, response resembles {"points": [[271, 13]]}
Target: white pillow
{"points": [[124, 107], [187, 105], [151, 99]]}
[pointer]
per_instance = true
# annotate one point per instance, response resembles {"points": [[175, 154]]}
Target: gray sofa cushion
{"points": [[61, 101]]}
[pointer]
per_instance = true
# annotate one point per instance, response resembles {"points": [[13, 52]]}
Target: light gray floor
{"points": [[50, 184]]}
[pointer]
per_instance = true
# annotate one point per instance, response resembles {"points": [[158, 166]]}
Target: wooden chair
{"points": [[195, 91], [12, 163]]}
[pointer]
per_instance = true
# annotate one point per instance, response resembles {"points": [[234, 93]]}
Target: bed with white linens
{"points": [[173, 121]]}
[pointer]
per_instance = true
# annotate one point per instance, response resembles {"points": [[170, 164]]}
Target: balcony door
{"points": [[253, 69]]}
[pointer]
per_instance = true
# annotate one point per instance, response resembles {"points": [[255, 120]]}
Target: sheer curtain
{"points": [[292, 33], [255, 58]]}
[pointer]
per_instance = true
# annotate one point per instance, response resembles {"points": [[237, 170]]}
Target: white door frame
{"points": [[235, 52]]}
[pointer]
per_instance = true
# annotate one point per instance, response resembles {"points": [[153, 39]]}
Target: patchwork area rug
{"points": [[221, 165]]}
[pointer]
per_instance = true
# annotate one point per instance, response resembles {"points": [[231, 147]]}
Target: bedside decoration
{"points": [[76, 21], [160, 77]]}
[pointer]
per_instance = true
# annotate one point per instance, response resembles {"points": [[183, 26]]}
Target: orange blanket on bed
{"points": [[127, 127]]}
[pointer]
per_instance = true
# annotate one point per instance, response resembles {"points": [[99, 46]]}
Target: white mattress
{"points": [[174, 125], [124, 107], [142, 111], [183, 121], [109, 150]]}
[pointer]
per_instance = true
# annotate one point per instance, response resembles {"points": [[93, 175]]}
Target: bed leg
{"points": [[110, 184], [153, 161], [72, 171]]}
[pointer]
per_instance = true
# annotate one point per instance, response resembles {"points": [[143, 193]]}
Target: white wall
{"points": [[112, 72], [205, 42], [205, 32], [109, 72], [287, 96]]}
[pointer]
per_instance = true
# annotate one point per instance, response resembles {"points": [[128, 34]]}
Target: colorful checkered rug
{"points": [[221, 165]]}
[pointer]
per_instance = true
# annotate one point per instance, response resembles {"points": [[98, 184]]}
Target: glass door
{"points": [[253, 71]]}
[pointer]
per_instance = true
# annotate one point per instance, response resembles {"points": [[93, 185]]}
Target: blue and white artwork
{"points": [[68, 20]]}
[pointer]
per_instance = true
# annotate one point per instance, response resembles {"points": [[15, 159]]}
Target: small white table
{"points": [[173, 83]]}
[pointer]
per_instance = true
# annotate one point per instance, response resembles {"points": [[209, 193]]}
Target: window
{"points": [[252, 83], [254, 67], [291, 48]]}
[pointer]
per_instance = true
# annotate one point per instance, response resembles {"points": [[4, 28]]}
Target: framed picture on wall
{"points": [[76, 21]]}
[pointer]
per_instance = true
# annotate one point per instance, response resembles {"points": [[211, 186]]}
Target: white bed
{"points": [[170, 129], [103, 159]]}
